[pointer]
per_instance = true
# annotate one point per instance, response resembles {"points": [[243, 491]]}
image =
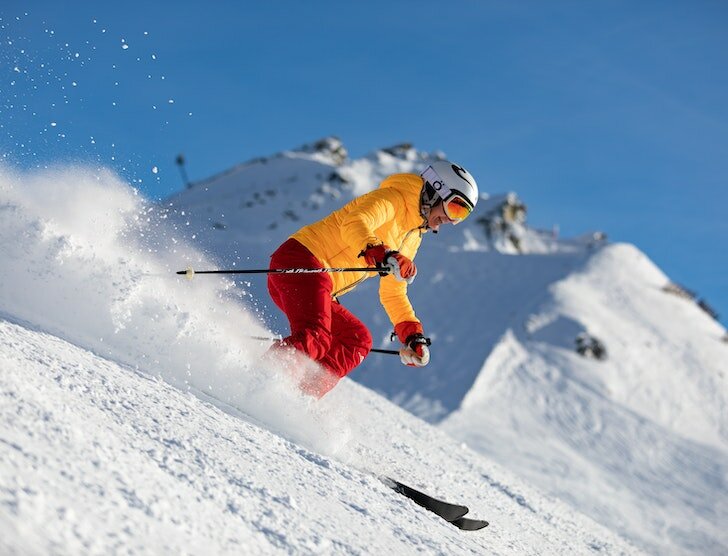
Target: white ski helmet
{"points": [[453, 185]]}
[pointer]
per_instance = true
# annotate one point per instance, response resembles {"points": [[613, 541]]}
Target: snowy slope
{"points": [[646, 429], [136, 417], [98, 458]]}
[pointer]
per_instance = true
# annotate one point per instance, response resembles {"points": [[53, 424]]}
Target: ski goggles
{"points": [[457, 208]]}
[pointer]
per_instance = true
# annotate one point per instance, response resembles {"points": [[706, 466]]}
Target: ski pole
{"points": [[389, 351], [375, 350], [190, 272]]}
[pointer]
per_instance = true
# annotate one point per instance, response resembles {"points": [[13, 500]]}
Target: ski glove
{"points": [[415, 352], [374, 255], [395, 262], [402, 267]]}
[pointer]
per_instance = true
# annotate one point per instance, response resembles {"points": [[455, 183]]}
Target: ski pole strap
{"points": [[416, 338]]}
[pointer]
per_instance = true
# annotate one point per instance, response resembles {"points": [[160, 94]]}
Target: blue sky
{"points": [[601, 115]]}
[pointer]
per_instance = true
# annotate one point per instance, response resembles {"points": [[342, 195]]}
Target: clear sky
{"points": [[604, 115]]}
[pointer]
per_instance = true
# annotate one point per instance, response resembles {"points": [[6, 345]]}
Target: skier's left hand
{"points": [[415, 352], [402, 267]]}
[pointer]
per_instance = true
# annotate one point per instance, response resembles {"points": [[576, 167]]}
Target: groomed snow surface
{"points": [[136, 416]]}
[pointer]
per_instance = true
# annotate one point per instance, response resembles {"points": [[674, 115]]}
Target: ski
{"points": [[448, 512], [469, 524]]}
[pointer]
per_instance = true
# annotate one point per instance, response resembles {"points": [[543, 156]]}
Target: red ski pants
{"points": [[320, 327]]}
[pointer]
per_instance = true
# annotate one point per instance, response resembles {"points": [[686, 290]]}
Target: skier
{"points": [[385, 228]]}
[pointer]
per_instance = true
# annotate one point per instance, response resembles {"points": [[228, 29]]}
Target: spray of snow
{"points": [[85, 257]]}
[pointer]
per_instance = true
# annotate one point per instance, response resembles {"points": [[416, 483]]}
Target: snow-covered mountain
{"points": [[137, 417], [570, 361], [645, 428]]}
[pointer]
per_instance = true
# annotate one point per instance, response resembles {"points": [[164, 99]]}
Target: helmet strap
{"points": [[428, 199]]}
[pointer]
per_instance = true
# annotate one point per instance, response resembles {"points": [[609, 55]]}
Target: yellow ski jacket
{"points": [[389, 215]]}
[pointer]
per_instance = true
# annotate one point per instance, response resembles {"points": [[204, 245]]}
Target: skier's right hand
{"points": [[415, 352]]}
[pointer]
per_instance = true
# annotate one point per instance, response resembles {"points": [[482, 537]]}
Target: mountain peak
{"points": [[330, 146]]}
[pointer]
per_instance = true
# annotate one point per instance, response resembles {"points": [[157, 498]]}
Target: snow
{"points": [[645, 429], [97, 458], [136, 414], [638, 442]]}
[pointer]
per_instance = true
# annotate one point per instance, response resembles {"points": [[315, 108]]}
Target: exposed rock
{"points": [[589, 346]]}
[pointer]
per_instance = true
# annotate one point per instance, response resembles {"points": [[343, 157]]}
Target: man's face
{"points": [[438, 217]]}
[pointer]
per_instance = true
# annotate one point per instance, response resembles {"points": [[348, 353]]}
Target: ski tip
{"points": [[467, 524], [445, 510]]}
